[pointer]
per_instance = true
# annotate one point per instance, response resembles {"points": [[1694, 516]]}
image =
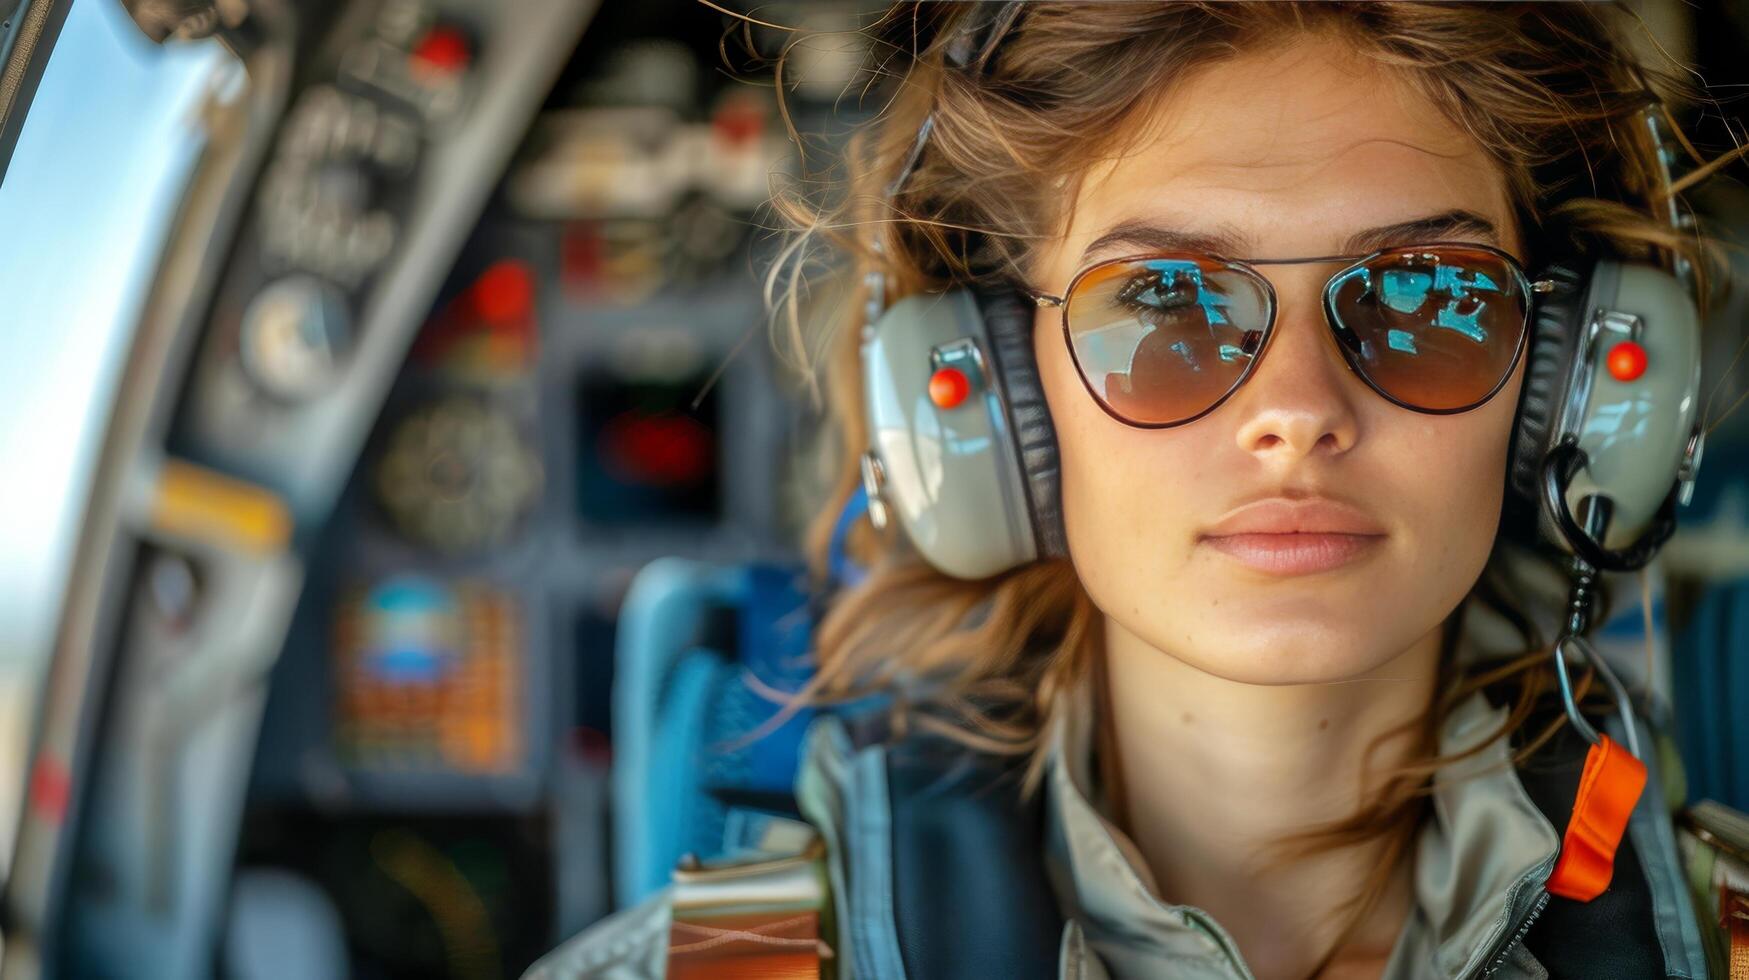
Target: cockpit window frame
{"points": [[28, 31]]}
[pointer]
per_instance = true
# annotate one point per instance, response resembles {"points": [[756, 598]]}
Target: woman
{"points": [[1253, 743]]}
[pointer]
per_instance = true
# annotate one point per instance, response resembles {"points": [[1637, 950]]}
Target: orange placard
{"points": [[200, 503], [1608, 789]]}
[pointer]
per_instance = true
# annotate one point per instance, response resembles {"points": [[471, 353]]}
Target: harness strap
{"points": [[759, 916], [1734, 919], [757, 945], [1715, 843]]}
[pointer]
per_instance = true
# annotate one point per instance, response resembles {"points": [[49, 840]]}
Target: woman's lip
{"points": [[1302, 515], [1294, 554]]}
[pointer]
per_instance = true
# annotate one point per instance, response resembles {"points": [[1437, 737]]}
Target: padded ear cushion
{"points": [[1557, 319], [1008, 320]]}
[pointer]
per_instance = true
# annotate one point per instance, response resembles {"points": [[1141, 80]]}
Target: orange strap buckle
{"points": [[1608, 789]]}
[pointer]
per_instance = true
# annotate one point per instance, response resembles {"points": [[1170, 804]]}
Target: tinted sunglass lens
{"points": [[1434, 328], [1162, 340]]}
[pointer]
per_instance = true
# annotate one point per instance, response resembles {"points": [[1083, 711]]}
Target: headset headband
{"points": [[971, 48]]}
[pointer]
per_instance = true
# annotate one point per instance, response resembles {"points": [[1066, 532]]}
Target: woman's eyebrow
{"points": [[1146, 236], [1454, 224]]}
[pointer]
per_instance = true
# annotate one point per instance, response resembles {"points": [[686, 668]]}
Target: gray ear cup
{"points": [[1008, 323], [950, 470], [1630, 438], [1554, 330]]}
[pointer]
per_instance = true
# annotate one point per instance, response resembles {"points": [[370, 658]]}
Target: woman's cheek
{"points": [[1130, 527], [1459, 491], [1096, 493]]}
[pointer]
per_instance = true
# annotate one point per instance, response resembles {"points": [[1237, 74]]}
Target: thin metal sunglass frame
{"points": [[1247, 267]]}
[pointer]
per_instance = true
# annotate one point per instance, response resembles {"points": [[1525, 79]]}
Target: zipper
{"points": [[1499, 959], [1212, 929], [1490, 964]]}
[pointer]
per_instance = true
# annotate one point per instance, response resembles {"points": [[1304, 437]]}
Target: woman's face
{"points": [[1286, 152]]}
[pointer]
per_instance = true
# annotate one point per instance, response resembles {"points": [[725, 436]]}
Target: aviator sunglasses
{"points": [[1163, 339]]}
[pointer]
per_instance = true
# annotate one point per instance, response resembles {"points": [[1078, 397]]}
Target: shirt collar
{"points": [[1483, 836]]}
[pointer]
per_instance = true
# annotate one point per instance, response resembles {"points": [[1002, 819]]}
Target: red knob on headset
{"points": [[948, 387], [1627, 361]]}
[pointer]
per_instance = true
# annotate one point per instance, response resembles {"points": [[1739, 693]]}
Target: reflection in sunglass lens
{"points": [[1161, 340], [1435, 328]]}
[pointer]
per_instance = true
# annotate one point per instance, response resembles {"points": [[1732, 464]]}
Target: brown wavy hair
{"points": [[1551, 91]]}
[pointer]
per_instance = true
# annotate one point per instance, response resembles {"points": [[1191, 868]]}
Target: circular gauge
{"points": [[457, 476], [702, 235], [295, 332]]}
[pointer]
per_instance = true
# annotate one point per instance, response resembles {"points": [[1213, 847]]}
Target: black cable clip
{"points": [[1580, 600]]}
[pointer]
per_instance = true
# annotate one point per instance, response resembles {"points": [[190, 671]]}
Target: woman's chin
{"points": [[1275, 672], [1271, 648]]}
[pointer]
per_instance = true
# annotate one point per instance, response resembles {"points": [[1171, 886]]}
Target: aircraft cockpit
{"points": [[393, 423]]}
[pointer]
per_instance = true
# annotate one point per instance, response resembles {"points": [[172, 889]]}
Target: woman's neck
{"points": [[1208, 772]]}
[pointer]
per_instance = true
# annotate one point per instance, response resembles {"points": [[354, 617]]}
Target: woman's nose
{"points": [[1300, 399]]}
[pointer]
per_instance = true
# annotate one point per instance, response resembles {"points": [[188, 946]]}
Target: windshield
{"points": [[90, 191]]}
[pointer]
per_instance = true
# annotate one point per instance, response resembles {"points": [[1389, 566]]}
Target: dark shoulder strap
{"points": [[970, 895], [1614, 935]]}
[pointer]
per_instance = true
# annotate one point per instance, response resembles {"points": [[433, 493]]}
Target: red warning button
{"points": [[443, 50], [1627, 361], [505, 291], [949, 387], [51, 787]]}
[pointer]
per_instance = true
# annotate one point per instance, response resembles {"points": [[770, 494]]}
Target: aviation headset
{"points": [[976, 486]]}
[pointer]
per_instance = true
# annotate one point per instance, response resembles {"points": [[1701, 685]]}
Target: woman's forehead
{"points": [[1290, 152]]}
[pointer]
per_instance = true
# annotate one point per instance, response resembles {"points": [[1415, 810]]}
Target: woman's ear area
{"points": [[1044, 274], [1049, 262]]}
